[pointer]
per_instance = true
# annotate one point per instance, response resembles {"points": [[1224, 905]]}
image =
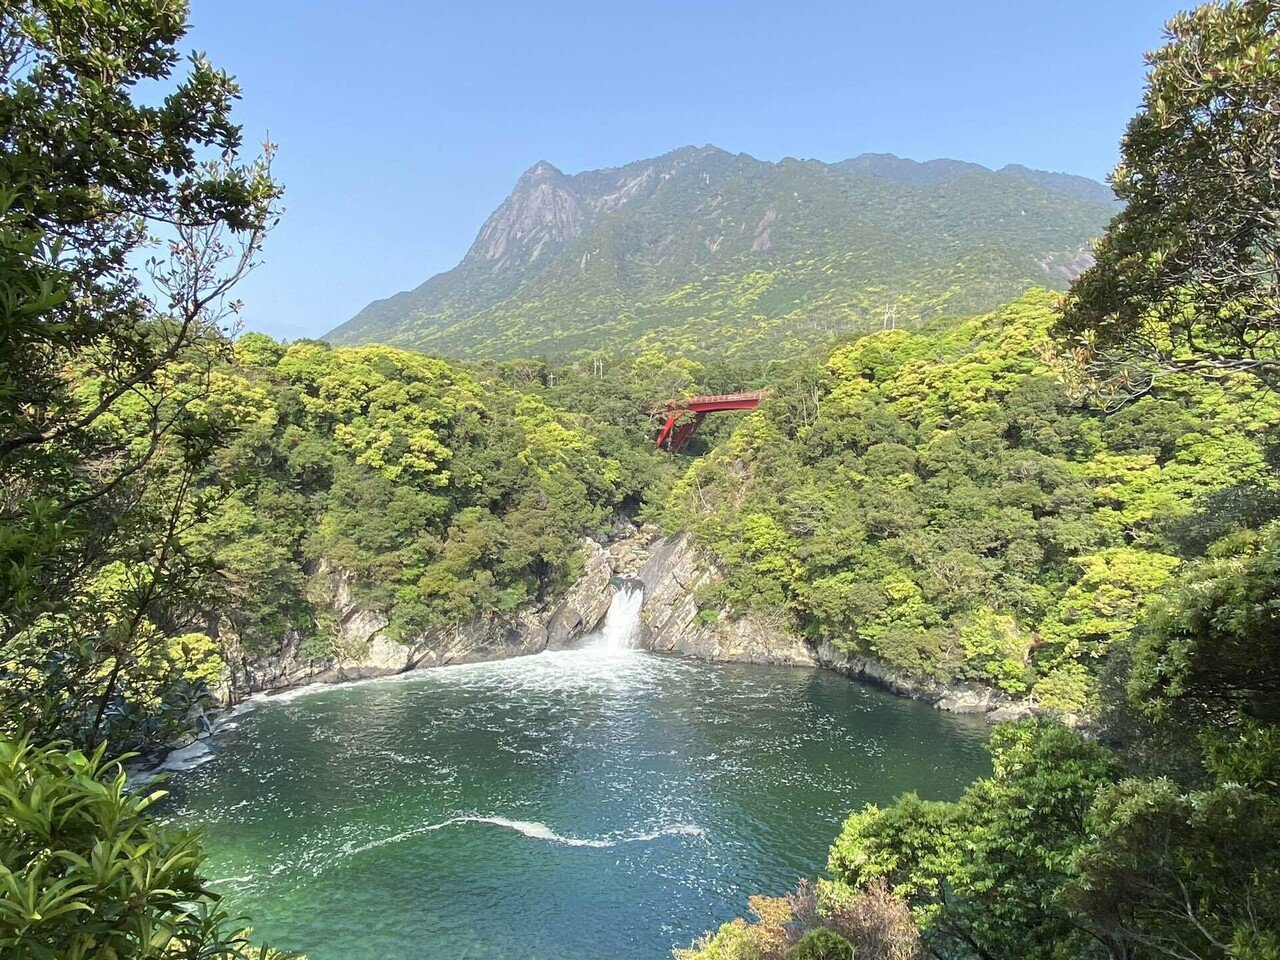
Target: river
{"points": [[581, 805]]}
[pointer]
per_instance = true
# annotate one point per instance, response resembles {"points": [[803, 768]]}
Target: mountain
{"points": [[707, 252]]}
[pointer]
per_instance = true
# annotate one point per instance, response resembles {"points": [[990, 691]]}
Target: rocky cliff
{"points": [[710, 253], [674, 573], [363, 650]]}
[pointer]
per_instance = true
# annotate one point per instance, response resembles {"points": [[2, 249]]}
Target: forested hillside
{"points": [[440, 494], [709, 254], [937, 500]]}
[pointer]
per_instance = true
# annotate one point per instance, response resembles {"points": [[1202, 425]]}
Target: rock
{"points": [[672, 574], [188, 757], [1014, 711], [672, 571], [363, 650], [587, 601], [675, 571]]}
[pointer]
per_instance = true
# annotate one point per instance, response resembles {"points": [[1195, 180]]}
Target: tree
{"points": [[103, 435], [1187, 277], [1210, 649], [985, 875], [1183, 874]]}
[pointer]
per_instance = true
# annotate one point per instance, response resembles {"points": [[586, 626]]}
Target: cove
{"points": [[598, 803]]}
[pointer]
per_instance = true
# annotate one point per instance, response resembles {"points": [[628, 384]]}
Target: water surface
{"points": [[570, 806]]}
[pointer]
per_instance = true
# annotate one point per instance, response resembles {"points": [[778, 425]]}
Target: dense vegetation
{"points": [[1186, 279], [1158, 836], [104, 434], [86, 874], [710, 255], [935, 499], [940, 497], [439, 495]]}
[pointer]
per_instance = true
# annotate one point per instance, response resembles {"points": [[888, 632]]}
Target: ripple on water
{"points": [[571, 805]]}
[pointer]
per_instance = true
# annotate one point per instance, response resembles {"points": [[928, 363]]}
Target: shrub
{"points": [[85, 873], [878, 924], [822, 944]]}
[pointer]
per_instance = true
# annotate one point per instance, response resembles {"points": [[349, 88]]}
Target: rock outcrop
{"points": [[672, 622], [674, 573], [362, 649]]}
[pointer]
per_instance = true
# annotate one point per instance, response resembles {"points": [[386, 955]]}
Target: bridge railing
{"points": [[713, 398]]}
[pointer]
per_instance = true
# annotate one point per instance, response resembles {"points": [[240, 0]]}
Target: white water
{"points": [[618, 631], [536, 831]]}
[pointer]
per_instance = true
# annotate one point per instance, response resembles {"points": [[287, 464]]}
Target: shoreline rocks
{"points": [[672, 622], [673, 572], [362, 650]]}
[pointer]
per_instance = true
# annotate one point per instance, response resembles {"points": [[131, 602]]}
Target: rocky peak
{"points": [[542, 170], [542, 210]]}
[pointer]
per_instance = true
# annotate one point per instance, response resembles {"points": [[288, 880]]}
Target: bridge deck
{"points": [[675, 438]]}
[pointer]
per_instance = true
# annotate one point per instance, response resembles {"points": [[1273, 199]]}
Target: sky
{"points": [[401, 125]]}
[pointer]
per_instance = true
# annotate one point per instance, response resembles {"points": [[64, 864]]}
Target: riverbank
{"points": [[670, 621], [674, 574]]}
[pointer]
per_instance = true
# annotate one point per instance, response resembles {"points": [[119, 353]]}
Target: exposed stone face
{"points": [[763, 242], [676, 571], [1068, 264], [673, 572], [363, 650], [587, 601], [543, 209], [672, 576]]}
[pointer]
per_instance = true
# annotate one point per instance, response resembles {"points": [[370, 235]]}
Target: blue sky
{"points": [[402, 124]]}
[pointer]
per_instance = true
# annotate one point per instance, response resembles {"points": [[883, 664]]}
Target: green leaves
{"points": [[433, 495], [1210, 649], [934, 499], [86, 874], [107, 420], [1186, 276], [985, 874]]}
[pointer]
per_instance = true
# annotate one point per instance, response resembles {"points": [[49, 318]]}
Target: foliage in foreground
{"points": [[869, 924], [1058, 854], [111, 154], [1186, 277], [103, 435], [87, 874]]}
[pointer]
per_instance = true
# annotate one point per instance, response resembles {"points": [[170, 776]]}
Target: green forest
{"points": [[938, 500], [1072, 499]]}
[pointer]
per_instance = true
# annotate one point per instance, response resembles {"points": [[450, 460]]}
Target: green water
{"points": [[570, 806]]}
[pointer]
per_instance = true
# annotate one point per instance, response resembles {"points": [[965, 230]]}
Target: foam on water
{"points": [[533, 830]]}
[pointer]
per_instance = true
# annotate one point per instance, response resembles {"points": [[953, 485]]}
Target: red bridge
{"points": [[675, 435]]}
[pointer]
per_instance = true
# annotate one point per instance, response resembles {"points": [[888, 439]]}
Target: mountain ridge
{"points": [[767, 253]]}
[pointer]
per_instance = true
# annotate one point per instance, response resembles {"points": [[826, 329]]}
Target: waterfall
{"points": [[619, 627]]}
